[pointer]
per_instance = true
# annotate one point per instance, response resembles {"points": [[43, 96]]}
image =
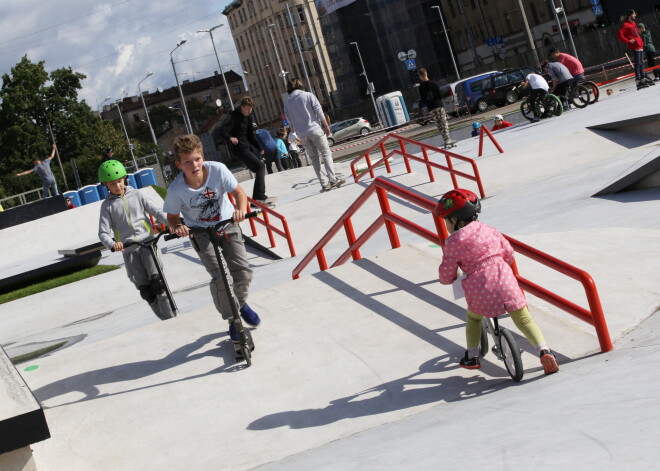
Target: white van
{"points": [[451, 101]]}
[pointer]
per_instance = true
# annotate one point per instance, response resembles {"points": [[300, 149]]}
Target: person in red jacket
{"points": [[629, 35], [500, 123]]}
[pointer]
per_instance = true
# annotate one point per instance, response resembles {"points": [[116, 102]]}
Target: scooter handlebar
{"points": [[146, 242]]}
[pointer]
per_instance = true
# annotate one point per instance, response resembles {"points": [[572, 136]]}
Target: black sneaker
{"points": [[470, 363]]}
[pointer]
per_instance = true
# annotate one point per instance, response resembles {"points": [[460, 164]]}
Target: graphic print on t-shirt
{"points": [[208, 204]]}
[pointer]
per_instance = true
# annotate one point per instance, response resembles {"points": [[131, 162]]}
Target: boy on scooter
{"points": [[199, 195], [124, 216]]}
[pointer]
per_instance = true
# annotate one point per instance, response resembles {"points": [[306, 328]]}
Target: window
{"points": [[301, 14], [308, 40], [280, 22], [236, 89], [136, 117], [207, 98], [315, 64]]}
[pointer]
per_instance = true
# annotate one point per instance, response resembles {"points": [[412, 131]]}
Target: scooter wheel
{"points": [[247, 355]]}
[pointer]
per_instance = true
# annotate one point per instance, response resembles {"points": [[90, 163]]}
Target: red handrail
{"points": [[407, 157], [266, 212], [383, 186], [484, 130]]}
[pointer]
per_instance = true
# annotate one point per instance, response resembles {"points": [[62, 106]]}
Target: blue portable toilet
{"points": [[392, 109], [103, 191], [145, 177], [75, 198], [89, 194], [132, 180]]}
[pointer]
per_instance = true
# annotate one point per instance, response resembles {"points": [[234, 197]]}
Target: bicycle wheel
{"points": [[553, 106], [527, 110], [592, 88], [579, 96], [510, 354], [483, 343]]}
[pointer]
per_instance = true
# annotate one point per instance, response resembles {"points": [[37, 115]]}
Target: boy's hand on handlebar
{"points": [[239, 215], [181, 230], [117, 247]]}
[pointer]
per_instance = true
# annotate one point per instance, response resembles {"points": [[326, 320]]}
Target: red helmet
{"points": [[459, 203]]}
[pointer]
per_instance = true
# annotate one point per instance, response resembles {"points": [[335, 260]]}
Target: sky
{"points": [[116, 43]]}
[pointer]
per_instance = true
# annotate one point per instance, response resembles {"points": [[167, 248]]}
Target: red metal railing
{"points": [[407, 157], [484, 130], [383, 186], [264, 220]]}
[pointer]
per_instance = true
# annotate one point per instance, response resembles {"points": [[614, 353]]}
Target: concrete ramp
{"points": [[338, 352]]}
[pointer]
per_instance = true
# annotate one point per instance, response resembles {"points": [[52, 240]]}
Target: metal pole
{"points": [[277, 56], [529, 32], [554, 12], [57, 153], [302, 59], [130, 146], [98, 107], [568, 28], [451, 53], [186, 118], [224, 80], [146, 112], [369, 87]]}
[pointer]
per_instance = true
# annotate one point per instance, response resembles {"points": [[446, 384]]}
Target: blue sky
{"points": [[116, 43]]}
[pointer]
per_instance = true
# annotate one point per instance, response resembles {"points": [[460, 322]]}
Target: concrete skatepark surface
{"points": [[357, 367]]}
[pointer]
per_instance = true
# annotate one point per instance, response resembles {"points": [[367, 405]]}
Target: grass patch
{"points": [[55, 282], [162, 192], [36, 354]]}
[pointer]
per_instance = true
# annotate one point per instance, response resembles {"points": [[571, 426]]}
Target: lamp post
{"points": [[370, 88], [224, 80], [130, 146], [299, 44], [186, 119], [146, 111], [451, 53], [98, 107], [568, 28], [277, 56]]}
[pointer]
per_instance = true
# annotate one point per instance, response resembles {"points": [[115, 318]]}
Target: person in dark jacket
{"points": [[431, 96], [649, 49], [239, 131]]}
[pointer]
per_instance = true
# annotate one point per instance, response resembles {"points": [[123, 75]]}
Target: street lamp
{"points": [[370, 88], [451, 53], [210, 31], [186, 119], [277, 56], [98, 107], [299, 44], [561, 9], [146, 111], [130, 146]]}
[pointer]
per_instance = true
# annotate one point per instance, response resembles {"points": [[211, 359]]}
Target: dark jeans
{"points": [[272, 157], [535, 95], [245, 155], [639, 64], [561, 90], [650, 62], [295, 158]]}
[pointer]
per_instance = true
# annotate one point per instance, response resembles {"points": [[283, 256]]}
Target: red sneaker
{"points": [[549, 362]]}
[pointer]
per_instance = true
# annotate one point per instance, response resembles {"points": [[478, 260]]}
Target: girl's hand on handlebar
{"points": [[117, 247]]}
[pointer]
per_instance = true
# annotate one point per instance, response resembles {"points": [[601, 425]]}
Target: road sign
{"points": [[490, 42], [402, 56], [410, 64], [412, 53], [594, 2], [285, 123], [598, 10], [499, 40]]}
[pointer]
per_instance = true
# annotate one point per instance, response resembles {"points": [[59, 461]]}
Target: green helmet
{"points": [[111, 170]]}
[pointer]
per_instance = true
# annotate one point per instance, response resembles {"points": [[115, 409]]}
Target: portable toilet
{"points": [[89, 194], [392, 109], [132, 180], [145, 177], [74, 196], [103, 191]]}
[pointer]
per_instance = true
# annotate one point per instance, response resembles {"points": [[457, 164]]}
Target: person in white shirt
{"points": [[294, 150], [306, 115], [539, 88]]}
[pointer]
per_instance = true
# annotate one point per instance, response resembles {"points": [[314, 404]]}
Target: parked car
{"points": [[460, 90], [499, 89], [343, 130], [420, 113]]}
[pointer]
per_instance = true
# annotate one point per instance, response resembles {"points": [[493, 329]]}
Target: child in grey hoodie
{"points": [[125, 217]]}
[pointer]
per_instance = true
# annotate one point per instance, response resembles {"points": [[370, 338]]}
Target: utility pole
{"points": [[532, 45]]}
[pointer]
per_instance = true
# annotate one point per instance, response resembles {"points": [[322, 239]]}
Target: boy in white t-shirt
{"points": [[539, 88], [199, 194]]}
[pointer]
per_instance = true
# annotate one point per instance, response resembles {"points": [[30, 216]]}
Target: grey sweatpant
{"points": [[140, 268], [233, 250]]}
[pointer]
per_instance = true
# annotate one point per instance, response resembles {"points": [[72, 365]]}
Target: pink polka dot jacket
{"points": [[485, 257]]}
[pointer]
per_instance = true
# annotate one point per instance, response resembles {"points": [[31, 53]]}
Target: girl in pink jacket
{"points": [[491, 288]]}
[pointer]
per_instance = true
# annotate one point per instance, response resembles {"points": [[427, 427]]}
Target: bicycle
{"points": [[505, 346], [592, 88], [578, 96], [546, 107], [151, 244]]}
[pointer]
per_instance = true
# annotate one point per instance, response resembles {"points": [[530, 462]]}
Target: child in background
{"points": [[500, 123], [490, 286], [476, 128], [199, 194], [124, 216], [283, 151]]}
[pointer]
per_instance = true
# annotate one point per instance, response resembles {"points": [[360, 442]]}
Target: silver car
{"points": [[346, 129]]}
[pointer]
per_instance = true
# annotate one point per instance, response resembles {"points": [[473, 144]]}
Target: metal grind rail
{"points": [[425, 160], [383, 187]]}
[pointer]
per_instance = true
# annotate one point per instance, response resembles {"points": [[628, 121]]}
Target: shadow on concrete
{"points": [[89, 382]]}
